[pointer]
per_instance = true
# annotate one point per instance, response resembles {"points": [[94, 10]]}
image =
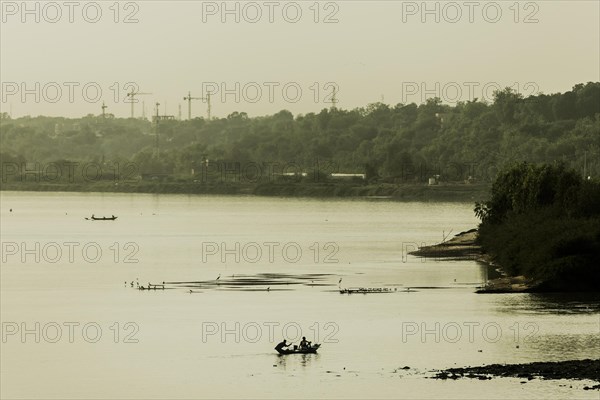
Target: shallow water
{"points": [[282, 278]]}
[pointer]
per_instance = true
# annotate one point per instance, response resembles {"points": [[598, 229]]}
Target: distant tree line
{"points": [[401, 143]]}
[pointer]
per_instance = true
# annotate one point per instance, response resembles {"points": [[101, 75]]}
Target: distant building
{"points": [[348, 176], [434, 180], [160, 118], [291, 174]]}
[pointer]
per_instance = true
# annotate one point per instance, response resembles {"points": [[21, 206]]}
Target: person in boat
{"points": [[304, 343], [281, 345]]}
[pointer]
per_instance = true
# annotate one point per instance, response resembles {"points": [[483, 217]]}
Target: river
{"points": [[74, 324]]}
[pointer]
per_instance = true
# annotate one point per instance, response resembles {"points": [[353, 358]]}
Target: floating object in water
{"points": [[366, 290], [101, 219]]}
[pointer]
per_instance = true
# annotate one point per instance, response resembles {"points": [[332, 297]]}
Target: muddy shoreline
{"points": [[575, 369], [464, 246]]}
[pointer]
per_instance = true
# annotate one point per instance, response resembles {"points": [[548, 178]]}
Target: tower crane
{"points": [[156, 127], [132, 94], [334, 99], [189, 99]]}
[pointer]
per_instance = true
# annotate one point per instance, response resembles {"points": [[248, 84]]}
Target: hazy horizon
{"points": [[394, 52]]}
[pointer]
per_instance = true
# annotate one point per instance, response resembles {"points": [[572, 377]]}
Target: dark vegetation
{"points": [[402, 144], [543, 222]]}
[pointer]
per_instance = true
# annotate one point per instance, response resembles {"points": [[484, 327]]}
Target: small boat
{"points": [[102, 218], [312, 349]]}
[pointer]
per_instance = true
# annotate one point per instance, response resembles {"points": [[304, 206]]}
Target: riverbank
{"points": [[464, 246], [458, 192], [574, 369]]}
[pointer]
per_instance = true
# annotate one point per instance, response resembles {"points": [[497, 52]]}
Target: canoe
{"points": [[102, 219], [309, 350]]}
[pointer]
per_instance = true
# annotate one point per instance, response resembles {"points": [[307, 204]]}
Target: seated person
{"points": [[304, 344]]}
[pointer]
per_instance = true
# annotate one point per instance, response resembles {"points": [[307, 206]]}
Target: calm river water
{"points": [[259, 270]]}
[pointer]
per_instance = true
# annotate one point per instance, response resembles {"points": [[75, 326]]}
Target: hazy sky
{"points": [[287, 55]]}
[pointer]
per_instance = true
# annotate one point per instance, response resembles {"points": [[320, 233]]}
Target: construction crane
{"points": [[156, 127], [189, 99], [132, 94], [334, 99], [208, 103]]}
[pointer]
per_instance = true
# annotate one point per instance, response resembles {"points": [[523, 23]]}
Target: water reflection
{"points": [[565, 346], [551, 303], [293, 360]]}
